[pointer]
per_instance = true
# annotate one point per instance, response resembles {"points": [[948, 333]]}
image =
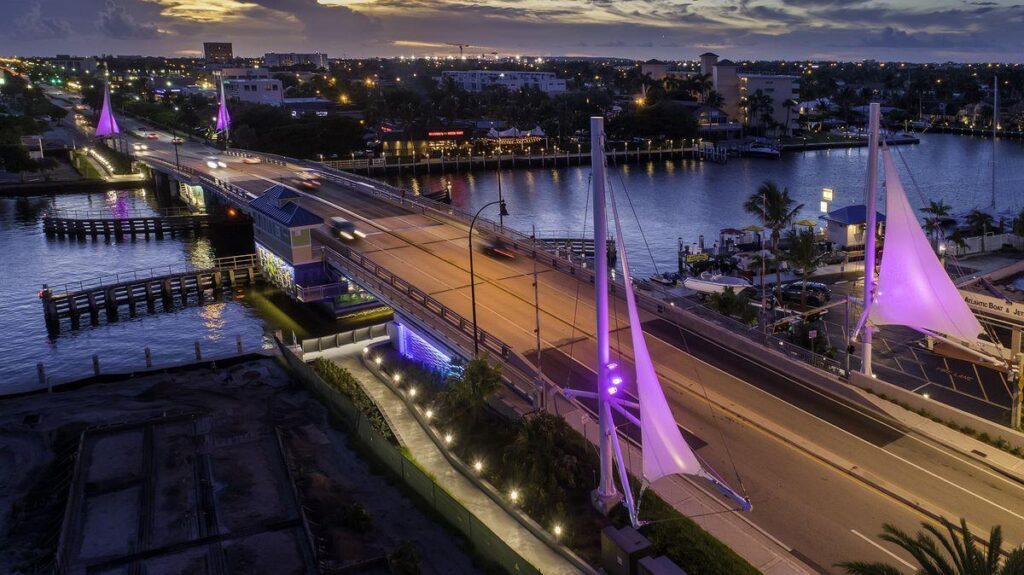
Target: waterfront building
{"points": [[314, 106], [218, 52], [284, 243], [253, 85], [76, 65], [480, 80], [845, 226], [286, 59], [783, 92]]}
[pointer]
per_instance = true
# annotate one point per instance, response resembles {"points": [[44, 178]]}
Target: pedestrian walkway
{"points": [[431, 460]]}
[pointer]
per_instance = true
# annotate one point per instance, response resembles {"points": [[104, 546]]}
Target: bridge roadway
{"points": [[823, 514]]}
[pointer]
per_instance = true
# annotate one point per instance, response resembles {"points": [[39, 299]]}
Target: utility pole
{"points": [[870, 232], [1018, 398], [606, 495]]}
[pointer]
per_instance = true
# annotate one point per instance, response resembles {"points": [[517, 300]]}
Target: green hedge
{"points": [[342, 380], [687, 544]]}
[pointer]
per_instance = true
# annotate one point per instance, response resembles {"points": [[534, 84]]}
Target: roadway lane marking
{"points": [[884, 550], [381, 227]]}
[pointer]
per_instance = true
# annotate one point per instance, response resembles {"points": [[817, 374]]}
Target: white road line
{"points": [[884, 550]]}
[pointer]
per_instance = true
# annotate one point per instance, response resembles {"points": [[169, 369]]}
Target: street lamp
{"points": [[503, 211]]}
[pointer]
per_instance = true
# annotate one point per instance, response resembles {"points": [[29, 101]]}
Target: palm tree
{"points": [[1018, 224], [979, 222], [965, 555], [938, 211], [803, 254], [714, 99], [775, 208]]}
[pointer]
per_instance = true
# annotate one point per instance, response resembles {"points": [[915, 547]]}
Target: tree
{"points": [[469, 392], [714, 99], [1018, 224], [775, 208], [953, 552], [804, 255], [979, 222], [544, 457], [933, 223]]}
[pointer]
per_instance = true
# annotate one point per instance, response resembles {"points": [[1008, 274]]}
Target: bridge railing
{"points": [[442, 320], [99, 214], [219, 264]]}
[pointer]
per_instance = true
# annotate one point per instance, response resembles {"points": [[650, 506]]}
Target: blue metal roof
{"points": [[278, 203], [851, 215]]}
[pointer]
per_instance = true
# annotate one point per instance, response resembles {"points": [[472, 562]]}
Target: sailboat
{"points": [[913, 288], [665, 451]]}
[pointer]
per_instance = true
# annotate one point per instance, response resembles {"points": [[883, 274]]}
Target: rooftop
{"points": [[278, 203], [851, 215]]}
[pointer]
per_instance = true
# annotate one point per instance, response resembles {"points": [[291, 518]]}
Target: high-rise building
{"points": [[218, 52], [285, 59], [479, 80]]}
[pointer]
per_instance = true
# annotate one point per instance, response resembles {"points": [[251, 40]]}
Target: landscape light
{"points": [[557, 530], [448, 439], [514, 495], [412, 392], [366, 350], [478, 466], [429, 413], [396, 377], [378, 360]]}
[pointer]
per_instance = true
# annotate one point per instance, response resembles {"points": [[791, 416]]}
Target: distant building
{"points": [[656, 69], [707, 63], [286, 59], [784, 92], [727, 83], [480, 80], [252, 85], [74, 64], [218, 52], [308, 106]]}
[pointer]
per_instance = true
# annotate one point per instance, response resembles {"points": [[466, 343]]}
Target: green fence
{"points": [[486, 543]]}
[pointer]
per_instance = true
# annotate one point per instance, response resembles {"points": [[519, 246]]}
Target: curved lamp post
{"points": [[503, 211]]}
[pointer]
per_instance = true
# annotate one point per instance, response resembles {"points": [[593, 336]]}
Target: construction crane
{"points": [[461, 47]]}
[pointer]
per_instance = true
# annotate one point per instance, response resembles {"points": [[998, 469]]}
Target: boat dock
{"points": [[165, 283], [89, 223]]}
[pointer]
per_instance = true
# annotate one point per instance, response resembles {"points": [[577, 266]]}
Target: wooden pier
{"points": [[94, 224], [171, 285]]}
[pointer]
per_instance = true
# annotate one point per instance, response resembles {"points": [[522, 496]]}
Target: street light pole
{"points": [[501, 216], [472, 273]]}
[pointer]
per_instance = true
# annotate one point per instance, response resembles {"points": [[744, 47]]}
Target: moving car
{"points": [[307, 179], [251, 159], [215, 162], [139, 147], [496, 247], [153, 136], [346, 229], [177, 141]]}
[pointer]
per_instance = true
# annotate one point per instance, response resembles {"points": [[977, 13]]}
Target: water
{"points": [[672, 198], [30, 259], [684, 199]]}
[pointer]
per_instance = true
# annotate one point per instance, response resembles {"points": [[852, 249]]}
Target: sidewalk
{"points": [[430, 459]]}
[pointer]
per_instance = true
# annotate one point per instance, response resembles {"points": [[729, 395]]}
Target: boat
{"points": [[666, 279], [708, 283], [762, 150]]}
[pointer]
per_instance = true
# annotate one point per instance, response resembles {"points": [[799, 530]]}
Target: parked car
{"points": [[346, 229], [818, 294]]}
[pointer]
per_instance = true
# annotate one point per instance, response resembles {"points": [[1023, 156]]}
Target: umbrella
{"points": [[807, 223], [753, 228]]}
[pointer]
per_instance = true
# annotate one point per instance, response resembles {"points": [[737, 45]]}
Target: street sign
{"points": [[694, 258]]}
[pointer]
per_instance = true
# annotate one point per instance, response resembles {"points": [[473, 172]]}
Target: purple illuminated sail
{"points": [[913, 289], [107, 125], [665, 452], [223, 118]]}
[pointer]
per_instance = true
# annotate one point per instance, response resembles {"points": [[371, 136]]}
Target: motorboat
{"points": [[708, 283], [762, 150]]}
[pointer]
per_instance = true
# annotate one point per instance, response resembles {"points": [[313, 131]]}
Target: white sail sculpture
{"points": [[913, 288], [106, 126]]}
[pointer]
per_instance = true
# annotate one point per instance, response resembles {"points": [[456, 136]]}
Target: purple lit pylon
{"points": [[223, 117], [107, 125]]}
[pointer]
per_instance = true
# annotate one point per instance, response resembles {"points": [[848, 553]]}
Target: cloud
{"points": [[32, 25], [115, 22]]}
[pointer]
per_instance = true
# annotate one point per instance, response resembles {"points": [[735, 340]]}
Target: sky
{"points": [[905, 30]]}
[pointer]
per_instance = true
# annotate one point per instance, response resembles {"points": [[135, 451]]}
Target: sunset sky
{"points": [[913, 30]]}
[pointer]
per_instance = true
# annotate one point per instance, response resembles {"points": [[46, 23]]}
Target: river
{"points": [[673, 199], [685, 198]]}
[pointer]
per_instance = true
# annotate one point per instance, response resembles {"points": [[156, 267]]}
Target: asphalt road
{"points": [[825, 515]]}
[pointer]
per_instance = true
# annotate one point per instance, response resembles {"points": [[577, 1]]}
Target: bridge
{"points": [[795, 432]]}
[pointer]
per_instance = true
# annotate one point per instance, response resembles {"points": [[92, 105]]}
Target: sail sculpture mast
{"points": [[870, 231]]}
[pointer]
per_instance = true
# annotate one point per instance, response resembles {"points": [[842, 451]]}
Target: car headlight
{"points": [[346, 235], [221, 164], [211, 164]]}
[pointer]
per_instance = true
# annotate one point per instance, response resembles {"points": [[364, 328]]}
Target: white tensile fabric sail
{"points": [[913, 289], [665, 452], [223, 117]]}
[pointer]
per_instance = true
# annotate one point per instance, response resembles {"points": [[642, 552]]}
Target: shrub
{"points": [[340, 379]]}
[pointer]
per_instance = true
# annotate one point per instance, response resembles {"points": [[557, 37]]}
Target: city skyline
{"points": [[902, 30]]}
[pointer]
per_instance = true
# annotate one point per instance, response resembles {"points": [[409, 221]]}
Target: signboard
{"points": [[694, 258], [378, 161], [446, 134], [1011, 311]]}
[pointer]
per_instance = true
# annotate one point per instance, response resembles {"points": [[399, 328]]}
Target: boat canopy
{"points": [[913, 288]]}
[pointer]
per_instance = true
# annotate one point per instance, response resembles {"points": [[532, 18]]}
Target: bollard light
{"points": [[378, 360], [396, 378], [478, 466], [448, 439], [514, 495], [557, 530], [429, 413], [412, 392], [366, 350]]}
